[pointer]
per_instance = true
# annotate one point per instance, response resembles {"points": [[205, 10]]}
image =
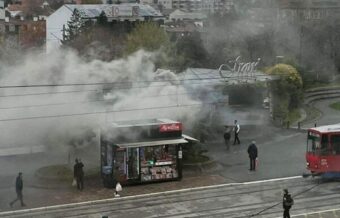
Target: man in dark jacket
{"points": [[78, 173], [252, 152], [287, 203], [18, 188], [227, 137]]}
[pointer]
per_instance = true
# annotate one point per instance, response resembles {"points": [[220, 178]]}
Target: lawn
{"points": [[335, 106]]}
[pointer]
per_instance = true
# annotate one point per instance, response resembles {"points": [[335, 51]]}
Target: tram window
{"points": [[313, 144], [324, 145], [335, 140], [324, 142]]}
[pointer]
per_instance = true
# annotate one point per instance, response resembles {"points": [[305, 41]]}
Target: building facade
{"points": [[117, 13], [307, 10], [22, 34]]}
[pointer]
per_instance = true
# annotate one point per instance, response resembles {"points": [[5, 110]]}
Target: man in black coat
{"points": [[227, 137], [287, 203], [18, 188], [252, 152], [78, 174]]}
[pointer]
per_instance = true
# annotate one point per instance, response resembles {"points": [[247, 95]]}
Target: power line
{"points": [[84, 102], [110, 111], [94, 90], [120, 82]]}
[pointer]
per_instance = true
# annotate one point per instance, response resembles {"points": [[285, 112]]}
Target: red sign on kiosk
{"points": [[170, 127]]}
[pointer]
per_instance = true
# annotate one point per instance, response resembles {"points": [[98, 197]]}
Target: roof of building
{"points": [[146, 122], [225, 76], [116, 10], [184, 15]]}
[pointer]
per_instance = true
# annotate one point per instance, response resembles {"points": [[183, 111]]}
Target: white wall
{"points": [[54, 27], [2, 10]]}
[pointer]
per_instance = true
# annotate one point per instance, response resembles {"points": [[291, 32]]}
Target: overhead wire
{"points": [[102, 100], [94, 90], [110, 111]]}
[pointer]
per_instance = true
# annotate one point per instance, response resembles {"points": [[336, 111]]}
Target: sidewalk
{"points": [[94, 190]]}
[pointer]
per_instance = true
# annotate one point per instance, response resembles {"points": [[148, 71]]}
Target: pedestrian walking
{"points": [[236, 130], [252, 152], [227, 137], [19, 184], [287, 203], [78, 174], [118, 189]]}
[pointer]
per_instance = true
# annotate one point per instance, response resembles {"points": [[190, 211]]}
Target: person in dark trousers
{"points": [[18, 188], [236, 130], [252, 152], [287, 203], [227, 136], [78, 174]]}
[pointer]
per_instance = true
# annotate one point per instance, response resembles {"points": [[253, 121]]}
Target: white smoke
{"points": [[56, 114]]}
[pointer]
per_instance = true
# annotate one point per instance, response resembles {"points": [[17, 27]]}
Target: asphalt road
{"points": [[329, 115]]}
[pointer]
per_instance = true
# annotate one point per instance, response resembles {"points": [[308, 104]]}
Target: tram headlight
{"points": [[307, 164]]}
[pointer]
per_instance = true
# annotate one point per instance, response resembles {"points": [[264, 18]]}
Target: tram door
{"points": [[335, 142], [133, 163]]}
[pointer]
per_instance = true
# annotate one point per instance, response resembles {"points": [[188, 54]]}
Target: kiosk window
{"points": [[158, 162]]}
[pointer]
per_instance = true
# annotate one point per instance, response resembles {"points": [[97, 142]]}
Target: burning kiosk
{"points": [[142, 151]]}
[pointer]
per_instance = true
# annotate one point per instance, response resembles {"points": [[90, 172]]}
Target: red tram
{"points": [[323, 151]]}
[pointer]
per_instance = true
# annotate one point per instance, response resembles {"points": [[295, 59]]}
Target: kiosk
{"points": [[142, 151]]}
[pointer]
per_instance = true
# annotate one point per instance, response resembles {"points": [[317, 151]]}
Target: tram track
{"points": [[168, 201], [184, 197]]}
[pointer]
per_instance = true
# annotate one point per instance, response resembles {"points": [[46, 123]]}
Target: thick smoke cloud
{"points": [[61, 115]]}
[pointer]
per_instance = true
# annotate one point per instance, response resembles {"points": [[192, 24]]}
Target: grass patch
{"points": [[294, 115], [335, 106], [311, 113]]}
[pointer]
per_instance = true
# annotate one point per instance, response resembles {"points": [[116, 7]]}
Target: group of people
{"points": [[252, 148], [227, 134], [287, 201]]}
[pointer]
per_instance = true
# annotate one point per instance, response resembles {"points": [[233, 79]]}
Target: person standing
{"points": [[227, 136], [19, 184], [287, 203], [252, 152], [236, 130], [78, 174]]}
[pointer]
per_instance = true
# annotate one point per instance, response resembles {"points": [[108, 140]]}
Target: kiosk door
{"points": [[133, 163]]}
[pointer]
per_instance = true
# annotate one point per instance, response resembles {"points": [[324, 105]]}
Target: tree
{"points": [[74, 27], [148, 36], [102, 19], [287, 90], [190, 52]]}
